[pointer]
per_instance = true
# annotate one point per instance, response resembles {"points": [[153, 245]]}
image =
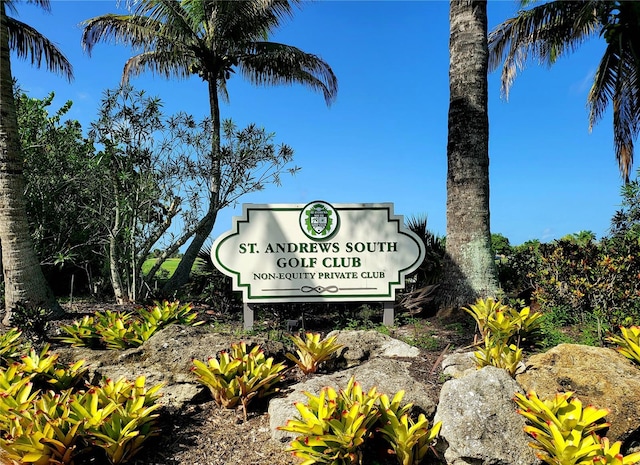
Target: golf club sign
{"points": [[318, 252]]}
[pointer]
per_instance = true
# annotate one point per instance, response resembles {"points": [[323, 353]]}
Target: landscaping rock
{"points": [[360, 346], [598, 376], [459, 364], [479, 421], [387, 375]]}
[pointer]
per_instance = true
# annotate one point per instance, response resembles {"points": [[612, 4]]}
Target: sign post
{"points": [[278, 253]]}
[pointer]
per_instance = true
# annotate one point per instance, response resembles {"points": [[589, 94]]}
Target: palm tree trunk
{"points": [[181, 275], [470, 270], [24, 281]]}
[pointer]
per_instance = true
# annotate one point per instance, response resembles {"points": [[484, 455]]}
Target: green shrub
{"points": [[591, 280]]}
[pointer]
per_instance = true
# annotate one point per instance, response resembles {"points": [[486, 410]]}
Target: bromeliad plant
{"points": [[565, 431], [11, 346], [238, 376], [54, 428], [312, 351], [628, 343], [120, 330], [122, 433], [333, 427], [499, 354], [409, 440], [46, 368], [502, 328], [502, 322]]}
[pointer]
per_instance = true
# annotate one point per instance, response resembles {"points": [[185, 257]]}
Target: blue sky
{"points": [[384, 139]]}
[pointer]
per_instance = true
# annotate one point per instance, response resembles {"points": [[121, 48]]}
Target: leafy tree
{"points": [[581, 238], [249, 160], [550, 30], [24, 281], [156, 180], [61, 170], [469, 270], [210, 39], [500, 244], [132, 201]]}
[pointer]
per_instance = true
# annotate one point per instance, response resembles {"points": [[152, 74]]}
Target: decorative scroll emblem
{"points": [[318, 220]]}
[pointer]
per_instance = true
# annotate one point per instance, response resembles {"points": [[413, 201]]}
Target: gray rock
{"points": [[388, 376], [360, 346], [459, 364], [479, 421]]}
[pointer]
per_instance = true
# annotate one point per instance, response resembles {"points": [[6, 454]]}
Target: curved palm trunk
{"points": [[181, 275], [24, 281], [470, 270]]}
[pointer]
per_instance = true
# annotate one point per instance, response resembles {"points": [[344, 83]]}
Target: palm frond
{"points": [[44, 4], [272, 63], [545, 32], [168, 64], [139, 32], [28, 43]]}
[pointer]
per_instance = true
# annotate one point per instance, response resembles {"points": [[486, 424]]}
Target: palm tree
{"points": [[469, 268], [25, 284], [211, 39], [553, 29]]}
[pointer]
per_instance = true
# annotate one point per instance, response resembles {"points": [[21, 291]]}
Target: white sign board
{"points": [[318, 252]]}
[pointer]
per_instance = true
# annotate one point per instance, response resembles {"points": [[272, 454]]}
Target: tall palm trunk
{"points": [[24, 281], [470, 270], [181, 276]]}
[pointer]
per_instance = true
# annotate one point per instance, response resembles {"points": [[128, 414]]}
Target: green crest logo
{"points": [[319, 220]]}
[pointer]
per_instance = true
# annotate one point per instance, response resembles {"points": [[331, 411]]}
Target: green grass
{"points": [[169, 265]]}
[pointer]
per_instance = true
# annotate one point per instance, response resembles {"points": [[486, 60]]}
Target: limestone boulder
{"points": [[598, 376], [458, 364], [479, 421], [360, 346]]}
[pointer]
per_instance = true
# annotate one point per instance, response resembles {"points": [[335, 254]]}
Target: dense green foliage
{"points": [[578, 280], [60, 168]]}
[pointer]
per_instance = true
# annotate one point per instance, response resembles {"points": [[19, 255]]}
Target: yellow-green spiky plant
{"points": [[238, 375], [312, 351], [628, 343], [410, 440], [333, 426], [565, 431]]}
